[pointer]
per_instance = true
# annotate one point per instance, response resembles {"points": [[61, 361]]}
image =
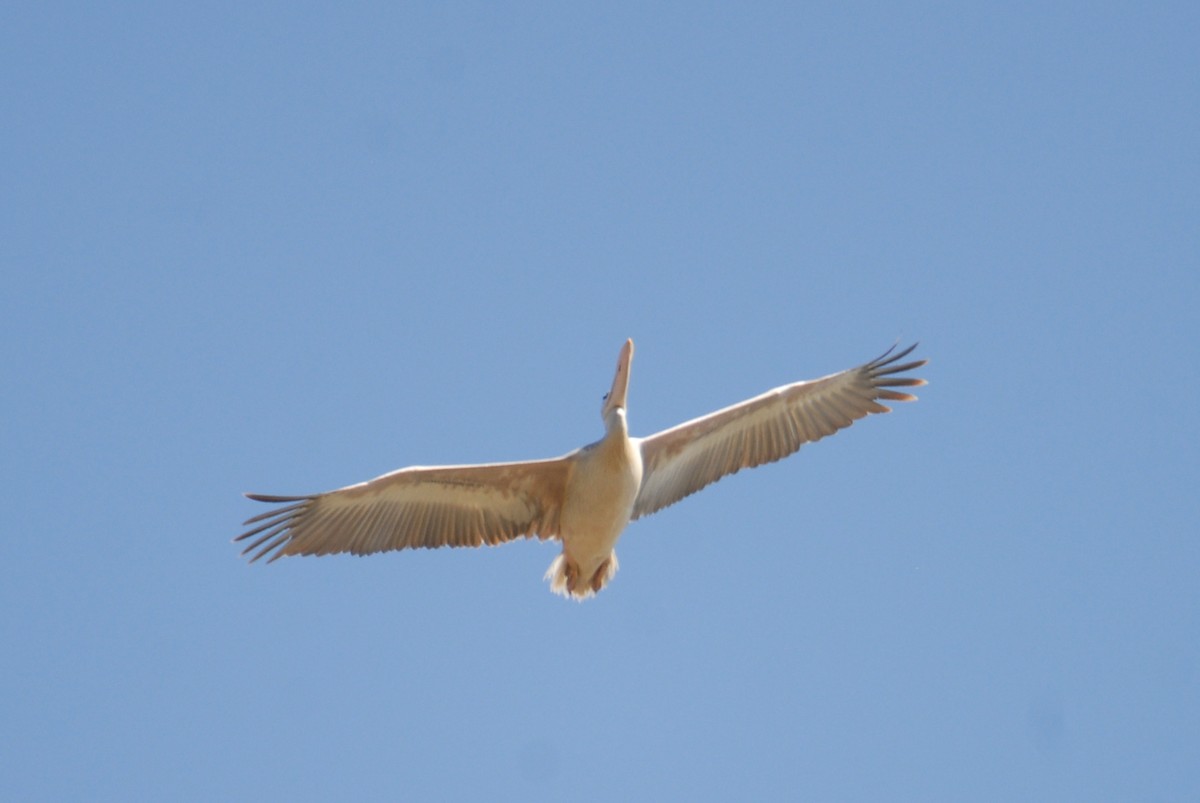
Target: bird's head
{"points": [[614, 400]]}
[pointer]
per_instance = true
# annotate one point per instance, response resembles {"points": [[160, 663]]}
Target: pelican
{"points": [[584, 499]]}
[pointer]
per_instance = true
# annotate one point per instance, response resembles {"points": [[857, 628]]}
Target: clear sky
{"points": [[284, 248]]}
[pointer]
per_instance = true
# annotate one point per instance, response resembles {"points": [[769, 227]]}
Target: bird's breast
{"points": [[599, 498]]}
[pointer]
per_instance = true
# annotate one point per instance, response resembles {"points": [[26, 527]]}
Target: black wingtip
{"points": [[889, 357], [884, 369], [272, 528], [274, 500]]}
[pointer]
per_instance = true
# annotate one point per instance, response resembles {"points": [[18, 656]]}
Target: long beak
{"points": [[620, 385]]}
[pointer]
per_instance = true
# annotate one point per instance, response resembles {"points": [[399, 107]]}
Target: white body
{"points": [[602, 487]]}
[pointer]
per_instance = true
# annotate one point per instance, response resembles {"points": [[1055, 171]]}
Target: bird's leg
{"points": [[572, 573], [600, 575]]}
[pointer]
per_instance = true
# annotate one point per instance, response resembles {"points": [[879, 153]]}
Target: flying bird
{"points": [[584, 499]]}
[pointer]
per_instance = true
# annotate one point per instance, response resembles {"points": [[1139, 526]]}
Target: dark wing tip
{"points": [[273, 527], [888, 358], [273, 499], [883, 372]]}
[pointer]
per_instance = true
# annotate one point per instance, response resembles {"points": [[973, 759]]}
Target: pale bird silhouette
{"points": [[584, 499]]}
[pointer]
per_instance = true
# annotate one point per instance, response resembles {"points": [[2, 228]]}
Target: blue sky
{"points": [[285, 248]]}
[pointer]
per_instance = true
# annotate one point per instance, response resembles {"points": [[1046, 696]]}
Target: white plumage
{"points": [[584, 499]]}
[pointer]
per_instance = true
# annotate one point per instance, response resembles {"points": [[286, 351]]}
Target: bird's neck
{"points": [[615, 425]]}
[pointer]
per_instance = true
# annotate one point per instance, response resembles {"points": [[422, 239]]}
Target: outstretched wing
{"points": [[416, 507], [679, 461]]}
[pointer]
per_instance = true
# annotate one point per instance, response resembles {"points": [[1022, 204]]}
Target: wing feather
{"points": [[413, 508], [679, 461]]}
